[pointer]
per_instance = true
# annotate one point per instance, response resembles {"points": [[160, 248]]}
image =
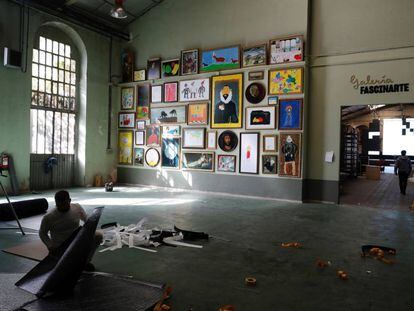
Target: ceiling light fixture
{"points": [[118, 11]]}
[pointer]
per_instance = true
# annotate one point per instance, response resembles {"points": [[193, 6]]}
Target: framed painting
{"points": [[290, 114], [286, 50], [152, 157], [256, 75], [143, 95], [154, 68], [126, 120], [290, 154], [189, 62], [171, 92], [127, 61], [226, 163], [171, 131], [249, 153], [227, 99], [156, 93], [170, 152], [194, 90], [125, 142], [175, 114], [127, 98], [141, 125], [140, 75], [170, 68], [260, 118], [139, 156], [255, 92], [272, 100], [269, 164], [203, 161], [139, 138], [228, 141], [153, 135], [143, 113], [220, 59], [255, 55], [269, 143], [197, 114], [286, 81], [212, 140], [194, 138]]}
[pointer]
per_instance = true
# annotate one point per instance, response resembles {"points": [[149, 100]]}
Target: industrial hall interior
{"points": [[220, 155]]}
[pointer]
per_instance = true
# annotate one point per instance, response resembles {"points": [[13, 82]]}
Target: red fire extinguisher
{"points": [[4, 164]]}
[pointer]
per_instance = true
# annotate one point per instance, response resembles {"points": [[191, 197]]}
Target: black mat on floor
{"points": [[103, 293], [23, 209], [60, 274]]}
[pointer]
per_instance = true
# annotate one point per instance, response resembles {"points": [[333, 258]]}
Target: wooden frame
{"points": [[197, 113], [256, 75], [285, 81], [198, 164], [128, 98], [154, 68], [269, 168], [189, 64], [290, 154], [189, 133], [139, 138], [220, 59], [171, 92], [272, 100], [140, 75], [211, 141], [169, 114], [171, 150], [267, 143], [154, 154], [220, 168], [170, 68], [254, 55], [264, 118], [290, 114], [248, 157], [126, 120], [280, 50], [125, 147], [156, 93], [194, 90]]}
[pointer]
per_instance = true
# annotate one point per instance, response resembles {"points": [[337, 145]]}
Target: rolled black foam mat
{"points": [[23, 209], [53, 275], [103, 293]]}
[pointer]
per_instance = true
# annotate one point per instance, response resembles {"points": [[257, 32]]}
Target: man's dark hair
{"points": [[403, 152], [61, 196]]}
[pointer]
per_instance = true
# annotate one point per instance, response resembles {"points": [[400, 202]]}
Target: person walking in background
{"points": [[403, 168]]}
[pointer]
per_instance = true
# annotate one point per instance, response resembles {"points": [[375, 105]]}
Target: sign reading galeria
{"points": [[383, 84]]}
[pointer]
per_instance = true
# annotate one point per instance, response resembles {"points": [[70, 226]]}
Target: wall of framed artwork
{"points": [[260, 118], [249, 153], [197, 113], [290, 114], [194, 138], [194, 90], [286, 81], [125, 145]]}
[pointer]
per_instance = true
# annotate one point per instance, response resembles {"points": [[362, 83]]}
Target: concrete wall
{"points": [[15, 89]]}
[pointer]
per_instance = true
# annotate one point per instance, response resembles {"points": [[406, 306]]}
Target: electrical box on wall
{"points": [[12, 58]]}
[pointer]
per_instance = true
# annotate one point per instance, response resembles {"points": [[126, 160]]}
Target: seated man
{"points": [[61, 222]]}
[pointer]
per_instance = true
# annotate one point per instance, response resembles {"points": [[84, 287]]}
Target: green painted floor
{"points": [[288, 279]]}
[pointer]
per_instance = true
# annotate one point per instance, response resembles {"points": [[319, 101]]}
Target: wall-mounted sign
{"points": [[383, 84]]}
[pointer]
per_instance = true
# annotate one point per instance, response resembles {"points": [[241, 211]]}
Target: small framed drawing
{"points": [[286, 81], [127, 98], [263, 118], [286, 50], [125, 142], [171, 92], [290, 154], [197, 114], [143, 113], [171, 131], [269, 164], [256, 75], [272, 100], [212, 140], [170, 68], [140, 75], [139, 138], [194, 138], [152, 157], [141, 125], [220, 59], [194, 90], [170, 152], [154, 68], [228, 141], [255, 56], [189, 62], [226, 163], [153, 135], [174, 114], [126, 120], [203, 161], [156, 93], [249, 153], [269, 143], [290, 114], [139, 156]]}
